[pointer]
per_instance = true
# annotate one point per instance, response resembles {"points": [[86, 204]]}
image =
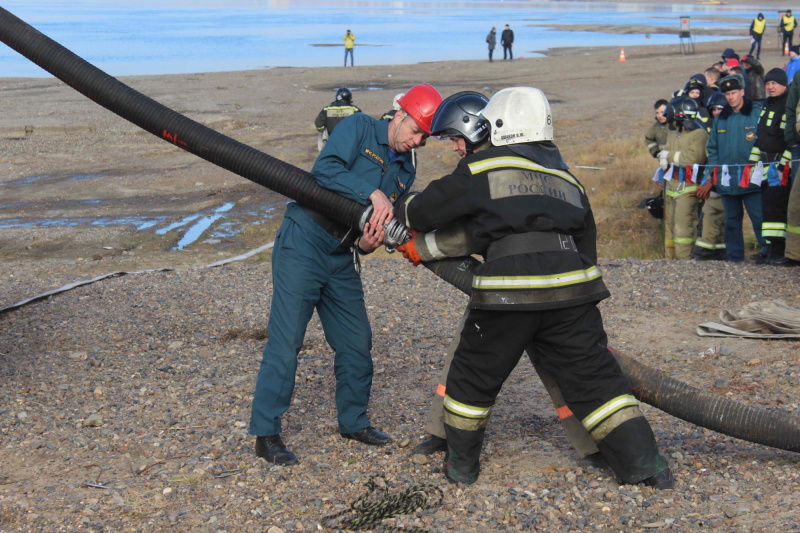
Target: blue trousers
{"points": [[734, 205], [308, 272], [348, 51]]}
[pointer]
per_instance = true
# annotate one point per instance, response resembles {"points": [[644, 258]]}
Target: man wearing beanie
{"points": [[757, 28], [730, 150], [774, 153]]}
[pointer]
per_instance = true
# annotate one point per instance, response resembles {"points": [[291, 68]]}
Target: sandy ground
{"points": [[146, 380]]}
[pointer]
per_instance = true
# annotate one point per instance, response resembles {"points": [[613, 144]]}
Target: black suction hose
{"points": [[775, 429], [173, 127]]}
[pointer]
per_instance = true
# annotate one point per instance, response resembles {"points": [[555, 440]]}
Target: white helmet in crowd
{"points": [[397, 97], [519, 115]]}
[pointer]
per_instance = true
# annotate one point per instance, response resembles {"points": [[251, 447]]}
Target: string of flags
{"points": [[774, 174]]}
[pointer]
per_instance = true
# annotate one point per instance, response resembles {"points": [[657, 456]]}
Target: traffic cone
{"points": [[786, 48], [622, 54]]}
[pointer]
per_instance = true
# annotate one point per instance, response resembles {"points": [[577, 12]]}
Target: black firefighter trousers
{"points": [[570, 344]]}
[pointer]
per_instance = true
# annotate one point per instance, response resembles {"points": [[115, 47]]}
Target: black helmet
{"points": [[344, 94], [717, 100], [655, 206], [459, 116], [685, 108]]}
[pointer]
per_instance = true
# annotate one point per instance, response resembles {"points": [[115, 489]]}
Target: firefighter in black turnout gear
{"points": [[332, 114], [538, 288]]}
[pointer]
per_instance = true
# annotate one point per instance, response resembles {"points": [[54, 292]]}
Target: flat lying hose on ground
{"points": [[775, 429]]}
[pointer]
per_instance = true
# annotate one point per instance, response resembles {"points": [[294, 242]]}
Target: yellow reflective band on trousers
{"points": [[520, 162], [674, 193], [535, 282], [710, 246], [608, 409], [464, 416], [773, 229]]}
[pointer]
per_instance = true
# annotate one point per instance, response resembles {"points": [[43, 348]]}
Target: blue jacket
{"points": [[356, 161], [731, 142], [792, 68]]}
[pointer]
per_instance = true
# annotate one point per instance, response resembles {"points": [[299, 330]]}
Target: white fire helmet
{"points": [[519, 115], [397, 97]]}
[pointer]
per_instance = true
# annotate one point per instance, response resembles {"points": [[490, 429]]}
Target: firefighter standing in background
{"points": [[686, 146], [710, 245], [771, 147], [332, 114], [539, 287], [656, 136]]}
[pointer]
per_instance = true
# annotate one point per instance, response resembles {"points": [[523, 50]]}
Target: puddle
{"points": [[30, 180], [194, 232], [194, 226]]}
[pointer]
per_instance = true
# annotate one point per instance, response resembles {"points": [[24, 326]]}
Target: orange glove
{"points": [[409, 249]]}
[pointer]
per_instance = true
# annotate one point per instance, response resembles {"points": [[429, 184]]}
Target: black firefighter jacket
{"points": [[514, 190]]}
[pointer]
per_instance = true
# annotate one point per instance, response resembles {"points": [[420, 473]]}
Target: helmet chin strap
{"points": [[397, 129]]}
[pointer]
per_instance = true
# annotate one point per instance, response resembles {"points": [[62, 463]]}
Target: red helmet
{"points": [[421, 102]]}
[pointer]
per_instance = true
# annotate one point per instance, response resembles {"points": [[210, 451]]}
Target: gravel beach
{"points": [[124, 403]]}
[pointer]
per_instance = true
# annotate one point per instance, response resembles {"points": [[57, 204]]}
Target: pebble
{"points": [[169, 433]]}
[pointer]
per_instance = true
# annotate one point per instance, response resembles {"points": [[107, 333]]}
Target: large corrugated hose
{"points": [[778, 430]]}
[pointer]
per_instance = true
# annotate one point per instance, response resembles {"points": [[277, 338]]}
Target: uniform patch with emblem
{"points": [[750, 136]]}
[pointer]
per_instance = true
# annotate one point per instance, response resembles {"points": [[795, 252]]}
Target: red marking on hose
{"points": [[173, 138]]}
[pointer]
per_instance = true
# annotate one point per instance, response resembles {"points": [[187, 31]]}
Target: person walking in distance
{"points": [[757, 28], [507, 40], [491, 40], [349, 44]]}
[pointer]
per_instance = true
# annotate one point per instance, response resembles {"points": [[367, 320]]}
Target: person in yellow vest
{"points": [[787, 25], [349, 44], [757, 28], [686, 147]]}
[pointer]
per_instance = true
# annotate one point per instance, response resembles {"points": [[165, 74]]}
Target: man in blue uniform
{"points": [[365, 160]]}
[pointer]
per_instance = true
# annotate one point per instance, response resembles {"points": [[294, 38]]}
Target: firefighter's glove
{"points": [[409, 249], [662, 159]]}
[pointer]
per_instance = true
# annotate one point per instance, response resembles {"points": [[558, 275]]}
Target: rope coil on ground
{"points": [[376, 505]]}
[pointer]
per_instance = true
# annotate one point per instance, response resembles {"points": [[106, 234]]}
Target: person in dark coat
{"points": [[507, 40], [491, 40]]}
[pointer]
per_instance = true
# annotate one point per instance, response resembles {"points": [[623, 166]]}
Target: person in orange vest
{"points": [[757, 28]]}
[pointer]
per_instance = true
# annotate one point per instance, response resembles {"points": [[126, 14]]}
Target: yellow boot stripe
{"points": [[468, 411], [608, 409]]}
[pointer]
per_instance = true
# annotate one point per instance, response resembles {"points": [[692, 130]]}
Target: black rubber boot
{"points": [[431, 445], [661, 481]]}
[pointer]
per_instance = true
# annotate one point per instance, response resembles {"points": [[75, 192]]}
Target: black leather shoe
{"points": [[662, 480], [274, 450], [369, 435], [759, 258], [431, 445]]}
